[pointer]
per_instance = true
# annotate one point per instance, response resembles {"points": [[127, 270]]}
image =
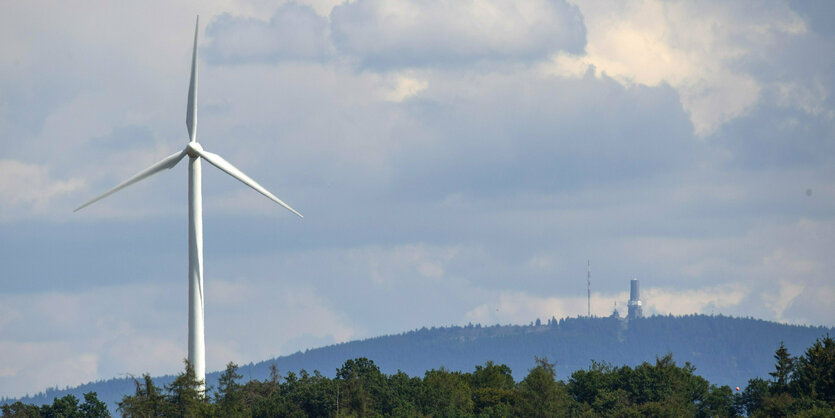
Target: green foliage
{"points": [[492, 376], [363, 386], [146, 401], [782, 369], [719, 402], [660, 389], [539, 394], [802, 387], [751, 399], [63, 407], [446, 394], [21, 410], [66, 407], [186, 396], [229, 399], [814, 376], [93, 407]]}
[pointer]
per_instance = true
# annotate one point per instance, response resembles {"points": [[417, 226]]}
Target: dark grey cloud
{"points": [[569, 134], [772, 136], [404, 34], [294, 32], [384, 34]]}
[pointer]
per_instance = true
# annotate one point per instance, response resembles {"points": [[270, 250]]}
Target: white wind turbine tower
{"points": [[196, 340]]}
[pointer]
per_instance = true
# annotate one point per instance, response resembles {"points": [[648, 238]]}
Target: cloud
{"points": [[700, 300], [517, 307], [257, 319], [28, 188], [383, 34], [294, 32], [84, 336], [696, 48], [108, 331], [29, 367], [451, 159], [392, 265], [525, 131], [522, 307], [781, 300], [402, 87]]}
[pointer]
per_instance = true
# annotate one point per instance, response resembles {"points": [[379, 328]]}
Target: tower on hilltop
{"points": [[634, 305]]}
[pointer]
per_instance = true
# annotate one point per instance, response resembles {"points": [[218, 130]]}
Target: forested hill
{"points": [[724, 350]]}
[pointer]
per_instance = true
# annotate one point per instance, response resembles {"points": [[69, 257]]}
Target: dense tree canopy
{"points": [[64, 407], [801, 386]]}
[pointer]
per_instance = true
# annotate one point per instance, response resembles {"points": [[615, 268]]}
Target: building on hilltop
{"points": [[634, 305], [615, 314]]}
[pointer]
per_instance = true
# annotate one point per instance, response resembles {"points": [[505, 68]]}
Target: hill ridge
{"points": [[724, 350]]}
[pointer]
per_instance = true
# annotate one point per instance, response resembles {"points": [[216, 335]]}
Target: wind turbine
{"points": [[195, 152]]}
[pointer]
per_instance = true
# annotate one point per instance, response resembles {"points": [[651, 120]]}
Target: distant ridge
{"points": [[724, 350]]}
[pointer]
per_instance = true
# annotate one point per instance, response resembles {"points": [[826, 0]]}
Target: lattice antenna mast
{"points": [[588, 287]]}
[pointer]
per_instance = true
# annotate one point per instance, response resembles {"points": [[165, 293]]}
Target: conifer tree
{"points": [[229, 398], [93, 407], [782, 369], [186, 394]]}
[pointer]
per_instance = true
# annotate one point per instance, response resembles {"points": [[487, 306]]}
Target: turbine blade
{"points": [[191, 110], [219, 162], [165, 163]]}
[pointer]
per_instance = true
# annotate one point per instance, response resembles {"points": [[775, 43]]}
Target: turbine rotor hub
{"points": [[193, 149]]}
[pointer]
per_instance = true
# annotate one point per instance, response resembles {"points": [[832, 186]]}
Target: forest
{"points": [[802, 386]]}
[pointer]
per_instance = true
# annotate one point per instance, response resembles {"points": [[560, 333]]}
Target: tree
{"points": [[719, 402], [782, 369], [585, 385], [814, 375], [539, 393], [493, 388], [364, 388], [147, 401], [93, 407], [751, 399], [64, 407], [313, 394], [447, 393], [493, 376], [20, 409], [405, 394], [187, 395], [229, 397]]}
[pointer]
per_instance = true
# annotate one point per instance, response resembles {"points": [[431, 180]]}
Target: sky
{"points": [[456, 162]]}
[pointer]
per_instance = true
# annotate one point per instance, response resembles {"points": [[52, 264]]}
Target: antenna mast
{"points": [[588, 286]]}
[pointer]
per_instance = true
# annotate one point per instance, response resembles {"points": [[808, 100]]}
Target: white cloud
{"points": [[29, 188], [109, 331], [779, 301], [522, 307], [810, 96], [694, 47], [29, 367], [703, 300], [254, 320], [402, 87], [517, 307]]}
